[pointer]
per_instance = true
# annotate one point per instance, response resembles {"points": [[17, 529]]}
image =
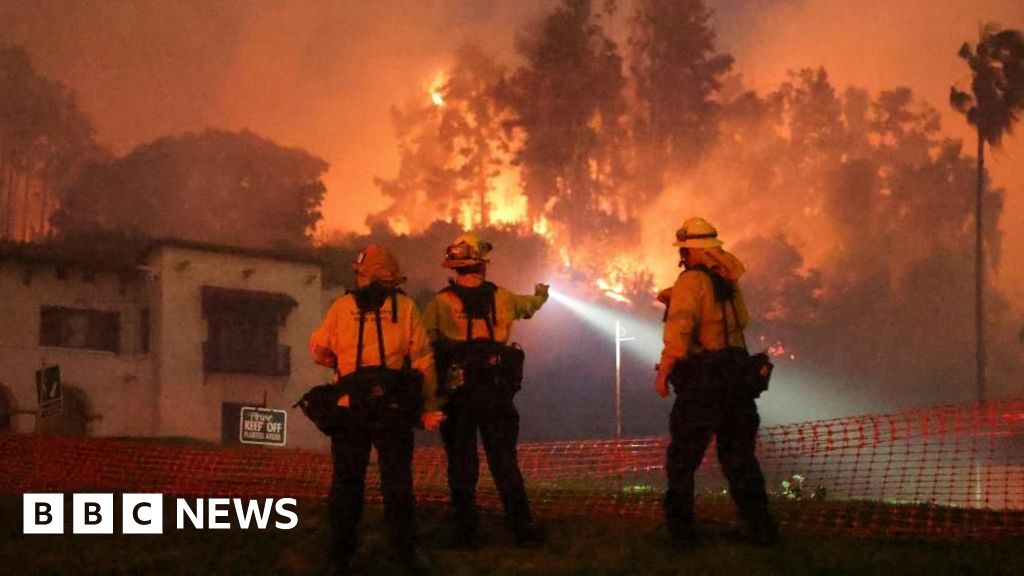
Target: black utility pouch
{"points": [[385, 392], [685, 376], [320, 405], [757, 371], [372, 387], [487, 362], [747, 374], [509, 371]]}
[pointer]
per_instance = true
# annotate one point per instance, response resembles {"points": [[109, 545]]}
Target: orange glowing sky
{"points": [[322, 74]]}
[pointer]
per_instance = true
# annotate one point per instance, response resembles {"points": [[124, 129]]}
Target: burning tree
{"points": [[455, 155], [568, 105], [677, 78]]}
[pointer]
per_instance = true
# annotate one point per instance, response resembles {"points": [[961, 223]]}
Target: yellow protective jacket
{"points": [[694, 321], [339, 333], [444, 316]]}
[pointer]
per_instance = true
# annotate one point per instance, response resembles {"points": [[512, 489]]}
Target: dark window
{"points": [[243, 331], [144, 330], [79, 328]]}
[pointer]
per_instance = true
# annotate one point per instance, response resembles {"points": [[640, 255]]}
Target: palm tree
{"points": [[993, 107]]}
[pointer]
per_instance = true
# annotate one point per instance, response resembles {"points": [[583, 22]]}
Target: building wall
{"points": [[119, 388], [190, 399]]}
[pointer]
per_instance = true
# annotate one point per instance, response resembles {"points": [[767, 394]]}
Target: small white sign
{"points": [[262, 426]]}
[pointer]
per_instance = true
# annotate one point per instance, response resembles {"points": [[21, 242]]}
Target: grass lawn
{"points": [[599, 545]]}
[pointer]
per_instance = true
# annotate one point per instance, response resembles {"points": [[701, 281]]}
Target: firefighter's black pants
{"points": [[480, 405], [706, 410], [350, 448]]}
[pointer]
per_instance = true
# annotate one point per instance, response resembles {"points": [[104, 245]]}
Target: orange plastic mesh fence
{"points": [[945, 472]]}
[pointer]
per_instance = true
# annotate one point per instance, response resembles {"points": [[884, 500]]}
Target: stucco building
{"points": [[170, 340]]}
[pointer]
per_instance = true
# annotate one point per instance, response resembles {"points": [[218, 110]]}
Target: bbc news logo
{"points": [[144, 513]]}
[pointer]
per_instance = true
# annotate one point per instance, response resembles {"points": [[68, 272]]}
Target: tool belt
{"points": [[384, 392], [480, 363], [730, 372]]}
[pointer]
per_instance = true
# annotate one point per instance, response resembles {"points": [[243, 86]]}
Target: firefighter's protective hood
{"points": [[467, 250], [724, 263], [697, 233], [378, 264]]}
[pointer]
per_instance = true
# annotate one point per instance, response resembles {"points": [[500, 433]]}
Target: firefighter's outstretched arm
{"points": [[524, 307]]}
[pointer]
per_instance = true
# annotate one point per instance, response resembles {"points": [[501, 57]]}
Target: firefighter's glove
{"points": [[665, 296], [661, 384], [541, 290], [431, 420], [325, 357]]}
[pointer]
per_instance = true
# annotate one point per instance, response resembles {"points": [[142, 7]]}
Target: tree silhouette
{"points": [[567, 103], [44, 141], [993, 106], [224, 187], [677, 78]]}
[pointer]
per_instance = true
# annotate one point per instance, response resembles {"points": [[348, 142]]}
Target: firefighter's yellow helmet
{"points": [[697, 233], [466, 250]]}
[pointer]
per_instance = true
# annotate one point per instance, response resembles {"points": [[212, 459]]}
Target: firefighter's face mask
{"points": [[479, 269]]}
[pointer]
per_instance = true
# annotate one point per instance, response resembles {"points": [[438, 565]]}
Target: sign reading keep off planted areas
{"points": [[262, 426]]}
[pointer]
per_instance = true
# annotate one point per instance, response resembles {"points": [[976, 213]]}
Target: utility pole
{"points": [[620, 337]]}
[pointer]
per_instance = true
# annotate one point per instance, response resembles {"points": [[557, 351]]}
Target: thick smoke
{"points": [[859, 252]]}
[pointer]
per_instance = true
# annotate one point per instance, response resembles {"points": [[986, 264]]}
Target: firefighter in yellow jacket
{"points": [[372, 337], [470, 323], [703, 357]]}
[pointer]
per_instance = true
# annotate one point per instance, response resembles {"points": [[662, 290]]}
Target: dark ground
{"points": [[599, 545]]}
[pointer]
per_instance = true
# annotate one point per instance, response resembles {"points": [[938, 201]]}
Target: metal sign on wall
{"points": [[49, 398], [262, 426]]}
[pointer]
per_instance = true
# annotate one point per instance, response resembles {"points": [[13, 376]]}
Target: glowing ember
{"points": [[436, 89], [618, 297]]}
